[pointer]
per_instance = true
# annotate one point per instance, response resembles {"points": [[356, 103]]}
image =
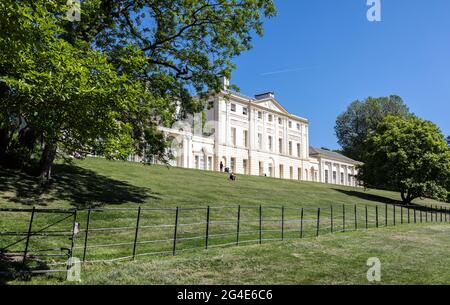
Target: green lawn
{"points": [[123, 187], [98, 182], [410, 254]]}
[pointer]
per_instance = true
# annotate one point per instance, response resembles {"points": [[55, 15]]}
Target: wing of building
{"points": [[255, 136]]}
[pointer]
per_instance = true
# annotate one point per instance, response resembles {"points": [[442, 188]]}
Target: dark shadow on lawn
{"points": [[385, 200], [81, 187], [12, 268], [369, 197]]}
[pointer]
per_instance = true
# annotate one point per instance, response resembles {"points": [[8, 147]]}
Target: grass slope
{"points": [[98, 182], [410, 254]]}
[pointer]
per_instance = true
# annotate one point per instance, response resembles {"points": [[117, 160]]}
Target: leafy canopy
{"points": [[407, 155], [104, 83], [353, 125]]}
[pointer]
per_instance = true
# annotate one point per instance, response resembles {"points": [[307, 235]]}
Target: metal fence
{"points": [[102, 234]]}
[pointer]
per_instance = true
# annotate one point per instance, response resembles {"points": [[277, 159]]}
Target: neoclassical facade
{"points": [[255, 136]]}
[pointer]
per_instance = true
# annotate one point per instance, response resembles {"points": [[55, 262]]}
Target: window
{"points": [[270, 143], [245, 165], [245, 111], [342, 178], [334, 176], [259, 140], [233, 136], [210, 163], [326, 176], [281, 171], [233, 107], [290, 148], [291, 172], [349, 179], [290, 124], [233, 165], [260, 116], [298, 126], [298, 150], [197, 162], [261, 168], [299, 173], [270, 118], [270, 170], [280, 121], [280, 145], [245, 138]]}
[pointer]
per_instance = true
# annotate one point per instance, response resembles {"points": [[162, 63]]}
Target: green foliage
{"points": [[353, 125], [104, 83], [409, 156]]}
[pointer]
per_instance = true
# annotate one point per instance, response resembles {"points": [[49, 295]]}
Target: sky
{"points": [[318, 56]]}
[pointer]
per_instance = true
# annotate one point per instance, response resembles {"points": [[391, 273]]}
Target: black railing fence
{"points": [[104, 234]]}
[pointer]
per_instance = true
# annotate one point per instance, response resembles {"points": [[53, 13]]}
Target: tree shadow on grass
{"points": [[12, 268], [386, 200], [82, 188]]}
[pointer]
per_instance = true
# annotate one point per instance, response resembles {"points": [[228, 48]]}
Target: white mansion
{"points": [[256, 136]]}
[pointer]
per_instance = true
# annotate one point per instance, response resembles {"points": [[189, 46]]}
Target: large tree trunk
{"points": [[407, 197], [46, 162]]}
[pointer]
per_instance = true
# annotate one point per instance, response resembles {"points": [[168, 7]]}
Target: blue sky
{"points": [[320, 55]]}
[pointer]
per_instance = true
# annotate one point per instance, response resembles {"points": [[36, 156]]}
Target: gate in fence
{"points": [[36, 240]]}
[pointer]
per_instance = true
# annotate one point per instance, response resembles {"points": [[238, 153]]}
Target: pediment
{"points": [[272, 104]]}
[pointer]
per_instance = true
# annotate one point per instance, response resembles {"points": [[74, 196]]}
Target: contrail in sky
{"points": [[287, 71]]}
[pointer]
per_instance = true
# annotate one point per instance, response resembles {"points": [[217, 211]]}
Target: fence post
{"points": [[86, 235], [356, 221], [393, 217], [415, 215], [138, 219], [282, 223], [376, 216], [175, 232], [208, 211], [301, 224], [426, 215], [367, 224], [409, 221], [440, 210], [74, 223], [446, 212], [343, 218], [260, 224], [28, 235], [386, 215], [238, 225], [318, 222], [401, 214], [331, 218]]}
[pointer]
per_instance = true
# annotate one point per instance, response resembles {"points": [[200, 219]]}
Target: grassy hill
{"points": [[122, 187], [410, 254], [98, 182]]}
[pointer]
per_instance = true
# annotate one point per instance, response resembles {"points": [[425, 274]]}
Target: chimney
{"points": [[265, 95], [225, 83]]}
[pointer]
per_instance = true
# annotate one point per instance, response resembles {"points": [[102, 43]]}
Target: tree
{"points": [[407, 155], [104, 83], [59, 96], [353, 125]]}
